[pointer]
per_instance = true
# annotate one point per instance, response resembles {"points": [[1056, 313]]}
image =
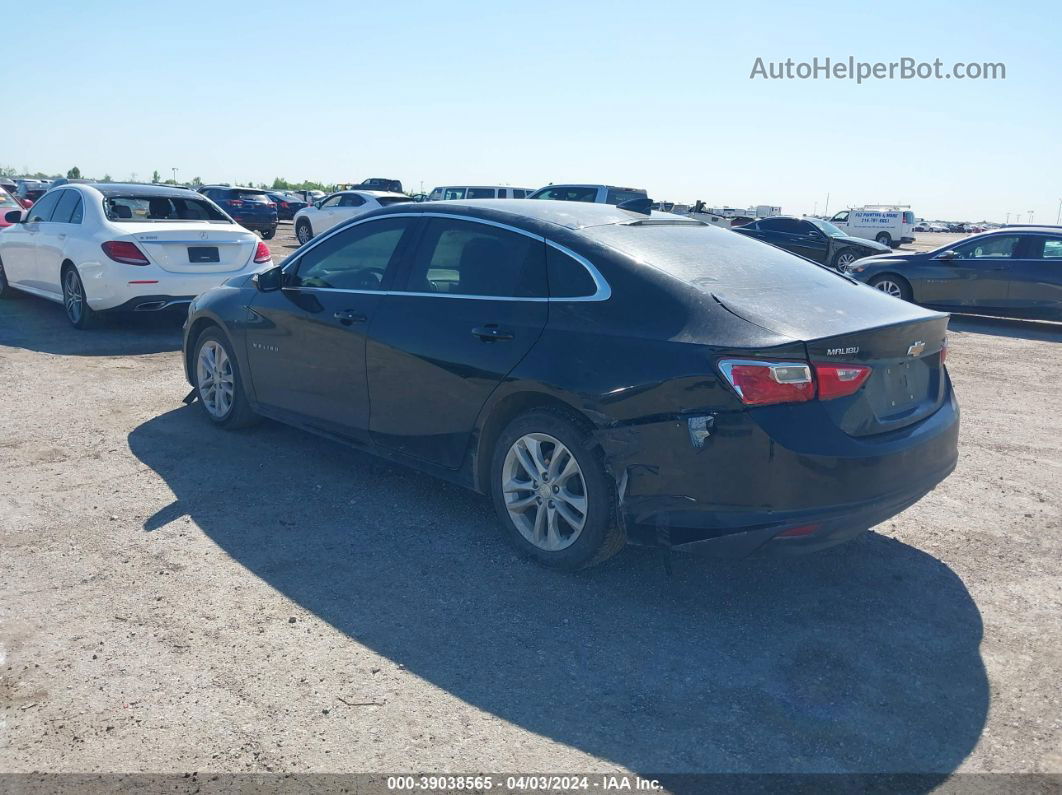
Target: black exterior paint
{"points": [[414, 384], [807, 240], [1025, 285]]}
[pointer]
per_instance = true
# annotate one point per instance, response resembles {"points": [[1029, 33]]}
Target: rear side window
{"points": [[519, 194], [351, 200], [1046, 247], [567, 277], [996, 247], [450, 194], [386, 201], [467, 258], [355, 259], [69, 205], [480, 193], [43, 209]]}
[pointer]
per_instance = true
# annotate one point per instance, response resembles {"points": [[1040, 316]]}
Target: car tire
{"points": [[6, 290], [896, 286], [303, 232], [884, 238], [844, 258], [219, 383], [570, 523], [268, 234], [75, 300]]}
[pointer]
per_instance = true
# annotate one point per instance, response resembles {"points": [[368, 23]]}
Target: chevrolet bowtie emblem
{"points": [[916, 348]]}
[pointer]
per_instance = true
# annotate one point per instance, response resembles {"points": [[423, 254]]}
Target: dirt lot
{"points": [[174, 598]]}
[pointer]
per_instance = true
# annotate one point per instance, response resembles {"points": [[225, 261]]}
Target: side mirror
{"points": [[13, 216], [947, 255], [269, 281]]}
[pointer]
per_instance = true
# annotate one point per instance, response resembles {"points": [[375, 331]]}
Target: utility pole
{"points": [[1058, 218], [1008, 219], [826, 209], [174, 176], [1030, 216]]}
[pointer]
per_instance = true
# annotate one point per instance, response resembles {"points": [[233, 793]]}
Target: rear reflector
{"points": [[124, 251], [840, 380], [764, 383], [261, 254], [944, 351], [800, 530]]}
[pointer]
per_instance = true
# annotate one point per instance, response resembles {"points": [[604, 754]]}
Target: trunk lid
{"points": [[900, 342], [194, 247]]}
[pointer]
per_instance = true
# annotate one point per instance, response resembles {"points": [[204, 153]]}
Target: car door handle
{"points": [[491, 333], [347, 317]]}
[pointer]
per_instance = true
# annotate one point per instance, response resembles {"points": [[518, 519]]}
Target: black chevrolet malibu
{"points": [[603, 375]]}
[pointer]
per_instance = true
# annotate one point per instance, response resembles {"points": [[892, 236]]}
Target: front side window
{"points": [[467, 258], [480, 193], [354, 259], [69, 204], [997, 247], [331, 201], [519, 194], [161, 209], [42, 210], [351, 200], [451, 194]]}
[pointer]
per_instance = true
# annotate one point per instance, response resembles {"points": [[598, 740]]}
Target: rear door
{"points": [[983, 267], [1035, 288], [306, 342], [469, 309]]}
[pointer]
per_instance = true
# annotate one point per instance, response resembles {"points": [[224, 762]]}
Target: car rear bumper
{"points": [[753, 480], [154, 303], [257, 225]]}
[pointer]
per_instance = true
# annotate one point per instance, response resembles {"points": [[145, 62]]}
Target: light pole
{"points": [[1058, 218], [826, 209], [1030, 216], [1008, 219], [174, 175]]}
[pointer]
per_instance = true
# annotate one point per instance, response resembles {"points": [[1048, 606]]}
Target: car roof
{"points": [[125, 188], [571, 215], [375, 194]]}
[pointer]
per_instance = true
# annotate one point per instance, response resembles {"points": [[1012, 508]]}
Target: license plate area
{"points": [[905, 385], [203, 254]]}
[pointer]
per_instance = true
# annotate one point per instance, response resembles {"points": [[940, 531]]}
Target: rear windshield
{"points": [[711, 258], [249, 196], [620, 195], [161, 208], [908, 217], [386, 200], [572, 193], [6, 200]]}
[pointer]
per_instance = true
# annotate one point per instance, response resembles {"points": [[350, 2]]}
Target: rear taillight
{"points": [[284, 205], [124, 251], [840, 380], [261, 254], [235, 203], [273, 205], [763, 383]]}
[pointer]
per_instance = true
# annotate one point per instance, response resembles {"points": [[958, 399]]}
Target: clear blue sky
{"points": [[526, 93]]}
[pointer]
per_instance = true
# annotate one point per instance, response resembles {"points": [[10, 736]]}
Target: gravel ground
{"points": [[175, 598]]}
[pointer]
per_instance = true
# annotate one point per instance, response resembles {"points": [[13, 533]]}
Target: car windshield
{"points": [[6, 200], [826, 227], [250, 196], [161, 208]]}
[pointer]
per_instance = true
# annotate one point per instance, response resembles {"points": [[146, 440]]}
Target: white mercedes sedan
{"points": [[338, 207], [109, 247]]}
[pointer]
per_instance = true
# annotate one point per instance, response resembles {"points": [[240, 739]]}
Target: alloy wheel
{"points": [[73, 296], [844, 261], [890, 287], [215, 379], [303, 234], [544, 491]]}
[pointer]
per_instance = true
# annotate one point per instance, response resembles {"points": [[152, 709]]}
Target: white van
{"points": [[452, 192], [888, 225]]}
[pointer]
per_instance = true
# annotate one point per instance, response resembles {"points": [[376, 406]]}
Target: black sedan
{"points": [[1010, 272], [604, 375], [287, 204], [813, 238]]}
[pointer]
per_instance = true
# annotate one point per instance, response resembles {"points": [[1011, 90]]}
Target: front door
{"points": [[977, 276], [20, 245], [469, 309], [306, 342]]}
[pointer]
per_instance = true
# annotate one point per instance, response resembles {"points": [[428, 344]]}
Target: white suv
{"points": [[342, 206], [107, 246]]}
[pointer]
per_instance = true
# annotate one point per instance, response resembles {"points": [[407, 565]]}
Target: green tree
{"points": [[74, 173], [106, 178], [196, 182], [155, 177]]}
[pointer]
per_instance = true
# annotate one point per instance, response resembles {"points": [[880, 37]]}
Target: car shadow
{"points": [[864, 658], [1017, 328], [39, 325]]}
